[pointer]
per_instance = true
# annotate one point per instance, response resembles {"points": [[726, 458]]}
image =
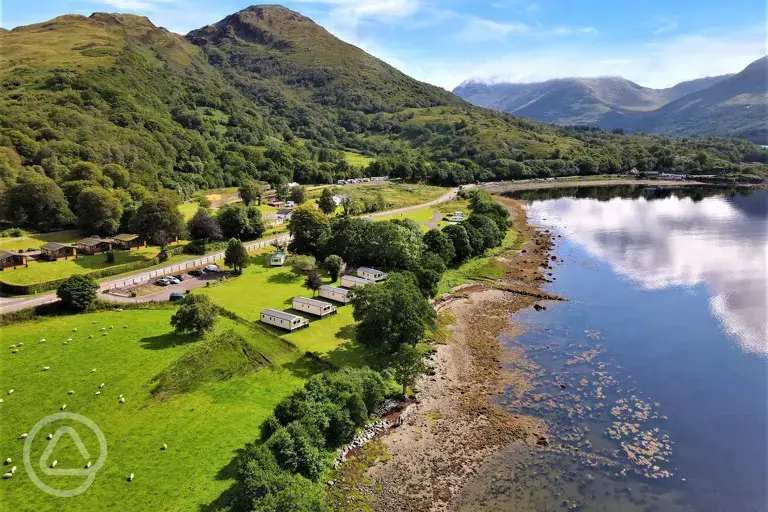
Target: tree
{"points": [[236, 257], [119, 175], [158, 219], [487, 228], [407, 365], [460, 241], [326, 203], [309, 229], [37, 200], [428, 272], [256, 226], [437, 242], [282, 191], [302, 265], [298, 194], [78, 292], [197, 314], [202, 226], [250, 191], [392, 313], [313, 281], [98, 211], [333, 264], [233, 220]]}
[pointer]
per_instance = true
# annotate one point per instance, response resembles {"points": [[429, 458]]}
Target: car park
{"points": [[179, 277], [173, 280]]}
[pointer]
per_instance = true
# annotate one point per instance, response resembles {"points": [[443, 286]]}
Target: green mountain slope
{"points": [[115, 102]]}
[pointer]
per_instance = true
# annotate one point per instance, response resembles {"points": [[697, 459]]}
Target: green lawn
{"points": [[422, 216], [356, 159], [398, 194], [38, 240], [203, 428], [188, 210], [261, 286], [41, 271]]}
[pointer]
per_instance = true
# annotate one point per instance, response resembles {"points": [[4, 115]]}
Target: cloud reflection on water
{"points": [[678, 242]]}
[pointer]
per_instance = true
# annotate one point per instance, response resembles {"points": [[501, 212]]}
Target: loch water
{"points": [[653, 375]]}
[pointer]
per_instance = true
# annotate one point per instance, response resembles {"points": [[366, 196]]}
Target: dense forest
{"points": [[116, 107]]}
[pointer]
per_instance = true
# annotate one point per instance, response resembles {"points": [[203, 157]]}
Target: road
{"points": [[13, 304]]}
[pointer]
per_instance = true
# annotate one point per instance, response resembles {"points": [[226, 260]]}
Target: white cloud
{"points": [[133, 5], [660, 63], [480, 30], [665, 25]]}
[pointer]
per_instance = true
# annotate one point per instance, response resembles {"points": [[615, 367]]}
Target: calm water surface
{"points": [[653, 377]]}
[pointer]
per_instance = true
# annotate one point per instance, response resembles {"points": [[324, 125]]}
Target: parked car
{"points": [[211, 268], [163, 281], [179, 277], [195, 272], [176, 296]]}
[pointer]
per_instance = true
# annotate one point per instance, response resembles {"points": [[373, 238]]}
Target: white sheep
{"points": [[119, 309], [103, 329], [69, 339], [130, 477], [7, 475], [49, 437], [66, 343], [120, 395], [13, 470], [98, 393], [8, 460], [101, 385], [125, 327], [10, 391], [53, 464], [93, 370], [90, 336], [46, 368], [20, 344], [1, 400], [74, 330], [42, 340], [14, 351], [12, 346], [122, 400], [93, 322], [23, 436], [63, 407], [88, 465], [71, 392], [103, 334], [111, 326], [165, 447]]}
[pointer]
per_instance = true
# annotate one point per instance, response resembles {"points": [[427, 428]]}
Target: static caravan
{"points": [[277, 259], [354, 281], [283, 320], [342, 295], [456, 217], [371, 274], [313, 306]]}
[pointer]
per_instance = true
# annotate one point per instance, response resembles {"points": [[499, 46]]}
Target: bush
{"points": [[12, 232], [197, 314], [333, 264], [110, 257], [78, 292]]}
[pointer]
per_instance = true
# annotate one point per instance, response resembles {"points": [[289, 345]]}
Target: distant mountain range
{"points": [[727, 105]]}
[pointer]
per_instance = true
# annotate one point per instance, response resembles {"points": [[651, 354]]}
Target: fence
{"points": [[181, 267]]}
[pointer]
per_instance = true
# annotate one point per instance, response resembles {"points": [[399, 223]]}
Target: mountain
{"points": [[614, 102], [113, 101]]}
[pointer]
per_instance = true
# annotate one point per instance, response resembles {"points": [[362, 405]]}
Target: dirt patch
{"points": [[457, 426]]}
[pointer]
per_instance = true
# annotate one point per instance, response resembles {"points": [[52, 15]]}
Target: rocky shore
{"points": [[456, 425]]}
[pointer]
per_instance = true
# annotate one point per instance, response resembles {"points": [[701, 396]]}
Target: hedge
{"points": [[28, 289]]}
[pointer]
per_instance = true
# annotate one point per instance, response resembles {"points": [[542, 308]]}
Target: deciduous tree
{"points": [[236, 256], [78, 292], [197, 314], [326, 203]]}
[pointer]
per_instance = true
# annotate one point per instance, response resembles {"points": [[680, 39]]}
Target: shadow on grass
{"points": [[346, 333], [167, 340], [281, 278], [308, 365], [232, 499]]}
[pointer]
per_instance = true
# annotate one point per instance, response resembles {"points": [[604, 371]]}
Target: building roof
{"points": [[54, 246], [6, 254], [284, 211], [311, 302], [356, 279], [278, 254], [334, 289], [92, 241], [369, 270], [280, 314], [125, 237]]}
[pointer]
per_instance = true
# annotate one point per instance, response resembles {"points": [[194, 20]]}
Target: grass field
{"points": [[203, 428], [188, 210], [262, 286], [41, 271], [422, 216], [356, 159], [398, 195], [38, 240]]}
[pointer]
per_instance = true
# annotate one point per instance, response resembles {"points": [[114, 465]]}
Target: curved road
{"points": [[10, 304]]}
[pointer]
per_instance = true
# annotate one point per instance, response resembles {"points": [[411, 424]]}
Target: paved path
{"points": [[13, 304]]}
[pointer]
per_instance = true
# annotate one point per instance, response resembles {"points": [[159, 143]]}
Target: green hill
{"points": [[266, 93]]}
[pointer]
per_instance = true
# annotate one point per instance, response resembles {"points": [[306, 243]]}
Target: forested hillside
{"points": [[114, 103]]}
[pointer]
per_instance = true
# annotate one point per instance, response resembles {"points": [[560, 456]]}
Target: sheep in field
{"points": [[12, 346], [122, 400], [8, 460], [93, 370], [20, 344], [130, 477], [23, 436], [87, 466], [101, 385], [49, 437], [98, 393], [63, 407], [7, 475], [10, 391], [53, 464], [74, 330], [15, 351], [165, 447], [13, 470], [46, 368], [70, 392]]}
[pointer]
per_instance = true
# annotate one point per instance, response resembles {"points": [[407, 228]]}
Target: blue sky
{"points": [[656, 43]]}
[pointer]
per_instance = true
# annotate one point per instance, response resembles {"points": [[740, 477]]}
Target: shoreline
{"points": [[455, 427], [511, 186]]}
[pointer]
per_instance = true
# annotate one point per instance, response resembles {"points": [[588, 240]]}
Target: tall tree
{"points": [[236, 256], [313, 281], [78, 292], [197, 314], [326, 203], [250, 191], [460, 240], [202, 226], [37, 200], [98, 211], [392, 313], [437, 242], [333, 264], [298, 194], [233, 219], [407, 365], [158, 219], [309, 229]]}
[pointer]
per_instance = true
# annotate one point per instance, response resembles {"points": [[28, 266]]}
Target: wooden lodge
{"points": [[11, 260], [128, 241], [54, 251], [93, 245]]}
